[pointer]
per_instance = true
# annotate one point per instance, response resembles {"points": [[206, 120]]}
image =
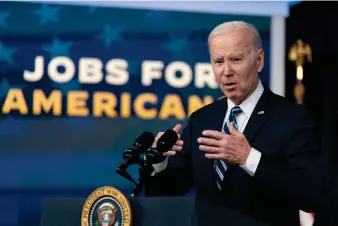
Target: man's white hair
{"points": [[255, 39]]}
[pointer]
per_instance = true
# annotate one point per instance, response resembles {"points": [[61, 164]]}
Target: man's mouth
{"points": [[229, 84]]}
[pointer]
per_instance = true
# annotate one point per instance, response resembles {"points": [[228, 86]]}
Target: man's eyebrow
{"points": [[236, 55], [217, 57]]}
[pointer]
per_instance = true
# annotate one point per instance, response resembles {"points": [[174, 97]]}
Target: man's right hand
{"points": [[178, 145]]}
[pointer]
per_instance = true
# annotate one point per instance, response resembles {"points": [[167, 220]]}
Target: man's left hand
{"points": [[233, 147]]}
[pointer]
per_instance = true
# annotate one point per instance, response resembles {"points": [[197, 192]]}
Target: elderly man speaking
{"points": [[253, 152]]}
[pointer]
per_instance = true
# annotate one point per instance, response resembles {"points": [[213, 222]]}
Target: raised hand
{"points": [[178, 145], [233, 147]]}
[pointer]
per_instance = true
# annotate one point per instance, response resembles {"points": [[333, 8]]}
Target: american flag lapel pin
{"points": [[260, 112]]}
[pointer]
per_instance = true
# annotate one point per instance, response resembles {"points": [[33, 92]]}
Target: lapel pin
{"points": [[261, 112]]}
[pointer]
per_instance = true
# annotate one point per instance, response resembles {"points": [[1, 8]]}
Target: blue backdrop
{"points": [[61, 155]]}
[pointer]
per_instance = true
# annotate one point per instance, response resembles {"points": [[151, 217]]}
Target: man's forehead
{"points": [[231, 39], [221, 50], [221, 53]]}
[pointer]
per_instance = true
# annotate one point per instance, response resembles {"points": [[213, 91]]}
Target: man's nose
{"points": [[227, 70]]}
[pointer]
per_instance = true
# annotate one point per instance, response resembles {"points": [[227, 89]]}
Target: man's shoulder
{"points": [[290, 108], [209, 109]]}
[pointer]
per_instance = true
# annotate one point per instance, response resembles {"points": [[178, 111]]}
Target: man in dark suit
{"points": [[252, 153]]}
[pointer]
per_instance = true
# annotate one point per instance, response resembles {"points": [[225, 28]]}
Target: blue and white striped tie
{"points": [[220, 165]]}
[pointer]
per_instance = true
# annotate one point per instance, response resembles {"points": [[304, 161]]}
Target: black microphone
{"points": [[164, 144], [132, 155]]}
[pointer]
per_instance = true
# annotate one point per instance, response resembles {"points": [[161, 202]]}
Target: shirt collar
{"points": [[249, 104]]}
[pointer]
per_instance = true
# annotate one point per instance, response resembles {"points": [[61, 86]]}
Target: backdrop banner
{"points": [[78, 84]]}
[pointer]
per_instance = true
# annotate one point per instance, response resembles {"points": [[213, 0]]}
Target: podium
{"points": [[146, 211]]}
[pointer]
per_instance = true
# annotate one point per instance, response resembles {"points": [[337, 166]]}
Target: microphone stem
{"points": [[144, 172], [138, 189]]}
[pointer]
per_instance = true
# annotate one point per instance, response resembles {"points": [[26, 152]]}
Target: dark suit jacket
{"points": [[290, 176], [327, 215]]}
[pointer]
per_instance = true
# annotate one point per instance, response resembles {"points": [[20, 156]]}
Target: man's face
{"points": [[235, 64]]}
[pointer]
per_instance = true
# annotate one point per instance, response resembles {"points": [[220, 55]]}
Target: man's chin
{"points": [[230, 95]]}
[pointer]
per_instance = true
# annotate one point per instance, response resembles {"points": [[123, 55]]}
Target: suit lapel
{"points": [[215, 119], [259, 116]]}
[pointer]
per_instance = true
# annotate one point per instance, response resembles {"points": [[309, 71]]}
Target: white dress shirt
{"points": [[247, 107]]}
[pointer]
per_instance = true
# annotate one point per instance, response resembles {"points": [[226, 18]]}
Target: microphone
{"points": [[140, 145], [164, 144]]}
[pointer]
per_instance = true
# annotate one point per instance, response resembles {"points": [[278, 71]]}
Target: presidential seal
{"points": [[106, 206]]}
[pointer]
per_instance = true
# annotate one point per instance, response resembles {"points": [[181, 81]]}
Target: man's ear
{"points": [[260, 60]]}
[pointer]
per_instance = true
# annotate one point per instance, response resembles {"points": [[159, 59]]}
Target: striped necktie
{"points": [[220, 165]]}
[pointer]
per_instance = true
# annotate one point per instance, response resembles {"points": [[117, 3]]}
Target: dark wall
{"points": [[316, 23]]}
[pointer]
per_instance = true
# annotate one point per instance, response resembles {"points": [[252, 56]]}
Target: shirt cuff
{"points": [[252, 162], [159, 167]]}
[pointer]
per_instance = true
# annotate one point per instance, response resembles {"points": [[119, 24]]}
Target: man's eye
{"points": [[236, 59]]}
